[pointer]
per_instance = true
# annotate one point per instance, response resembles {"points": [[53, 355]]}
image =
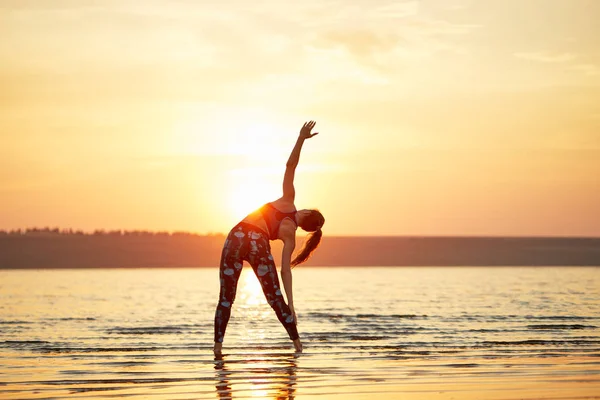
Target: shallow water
{"points": [[410, 333]]}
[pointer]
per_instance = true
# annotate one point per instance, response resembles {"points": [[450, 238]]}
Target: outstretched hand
{"points": [[305, 132]]}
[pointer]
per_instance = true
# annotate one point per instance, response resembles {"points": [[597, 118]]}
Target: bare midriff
{"points": [[255, 218]]}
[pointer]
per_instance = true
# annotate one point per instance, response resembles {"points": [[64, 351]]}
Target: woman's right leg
{"points": [[230, 269]]}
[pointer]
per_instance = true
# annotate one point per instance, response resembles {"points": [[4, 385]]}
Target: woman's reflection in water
{"points": [[222, 385], [275, 378]]}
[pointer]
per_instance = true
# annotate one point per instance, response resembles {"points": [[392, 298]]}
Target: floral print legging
{"points": [[246, 242]]}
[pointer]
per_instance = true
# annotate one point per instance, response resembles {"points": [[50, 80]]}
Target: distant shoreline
{"points": [[54, 232], [55, 249]]}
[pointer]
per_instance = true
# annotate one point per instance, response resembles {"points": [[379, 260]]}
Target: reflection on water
{"points": [[409, 333], [271, 376], [223, 377], [249, 290]]}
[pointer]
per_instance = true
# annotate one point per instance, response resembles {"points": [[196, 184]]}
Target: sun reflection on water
{"points": [[253, 308], [260, 394], [272, 376], [250, 291]]}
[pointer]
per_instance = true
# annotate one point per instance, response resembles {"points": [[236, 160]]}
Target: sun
{"points": [[250, 188], [250, 149]]}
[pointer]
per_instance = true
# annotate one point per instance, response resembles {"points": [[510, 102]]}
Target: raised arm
{"points": [[289, 193]]}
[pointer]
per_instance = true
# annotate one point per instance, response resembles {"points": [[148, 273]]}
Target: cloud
{"points": [[455, 7], [382, 36], [226, 52], [586, 69], [360, 43], [261, 39], [397, 9], [567, 59], [546, 57]]}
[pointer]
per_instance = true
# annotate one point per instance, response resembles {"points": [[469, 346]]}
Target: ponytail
{"points": [[310, 244]]}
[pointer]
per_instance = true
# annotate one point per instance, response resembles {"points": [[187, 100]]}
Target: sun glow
{"points": [[251, 292], [222, 130], [250, 188]]}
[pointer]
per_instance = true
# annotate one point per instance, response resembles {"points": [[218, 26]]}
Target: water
{"points": [[410, 333]]}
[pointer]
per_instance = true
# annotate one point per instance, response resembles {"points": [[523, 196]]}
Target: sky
{"points": [[436, 117]]}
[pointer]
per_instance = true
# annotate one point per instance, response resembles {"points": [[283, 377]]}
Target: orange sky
{"points": [[437, 117]]}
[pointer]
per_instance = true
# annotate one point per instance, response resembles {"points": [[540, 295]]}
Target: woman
{"points": [[249, 240]]}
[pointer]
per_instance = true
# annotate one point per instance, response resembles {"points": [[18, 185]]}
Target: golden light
{"points": [[256, 139], [250, 188], [251, 293], [260, 394], [198, 128], [253, 147]]}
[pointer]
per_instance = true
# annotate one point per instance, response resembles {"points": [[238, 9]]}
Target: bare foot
{"points": [[218, 349], [298, 345]]}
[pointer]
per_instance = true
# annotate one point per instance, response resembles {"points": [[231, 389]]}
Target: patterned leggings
{"points": [[246, 242]]}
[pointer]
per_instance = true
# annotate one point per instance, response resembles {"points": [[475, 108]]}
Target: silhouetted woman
{"points": [[249, 241]]}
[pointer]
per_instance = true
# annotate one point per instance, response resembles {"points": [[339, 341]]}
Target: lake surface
{"points": [[406, 333]]}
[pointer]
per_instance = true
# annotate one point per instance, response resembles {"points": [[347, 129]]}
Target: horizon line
{"points": [[115, 232]]}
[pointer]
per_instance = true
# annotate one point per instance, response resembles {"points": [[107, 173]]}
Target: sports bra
{"points": [[273, 218]]}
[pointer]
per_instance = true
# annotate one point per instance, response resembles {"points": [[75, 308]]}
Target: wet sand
{"points": [[280, 374]]}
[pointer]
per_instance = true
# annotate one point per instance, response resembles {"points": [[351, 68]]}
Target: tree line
{"points": [[67, 248], [47, 231]]}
